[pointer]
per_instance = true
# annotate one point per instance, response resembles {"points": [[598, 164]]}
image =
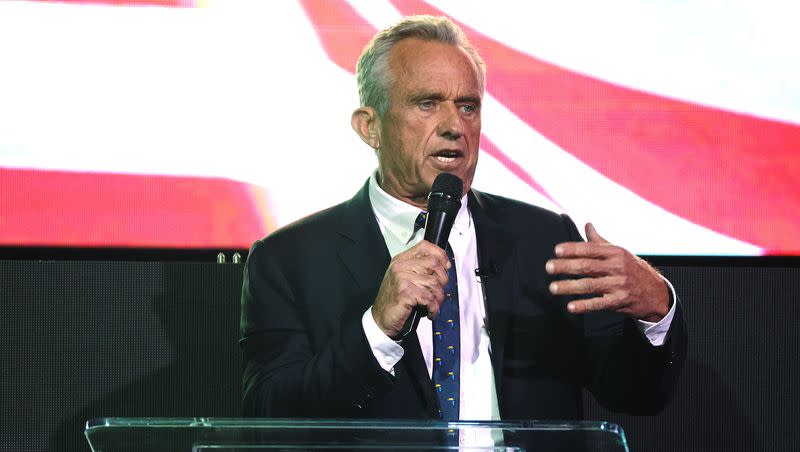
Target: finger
{"points": [[607, 302], [422, 248], [431, 299], [578, 266], [592, 235], [584, 286], [421, 263], [441, 275], [428, 265], [418, 296], [429, 249], [437, 304], [585, 249], [429, 283]]}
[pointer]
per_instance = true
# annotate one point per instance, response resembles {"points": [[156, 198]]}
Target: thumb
{"points": [[592, 235]]}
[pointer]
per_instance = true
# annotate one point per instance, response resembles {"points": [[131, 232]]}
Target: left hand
{"points": [[621, 281]]}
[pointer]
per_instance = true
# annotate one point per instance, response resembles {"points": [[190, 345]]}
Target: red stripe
{"points": [[342, 32], [57, 208]]}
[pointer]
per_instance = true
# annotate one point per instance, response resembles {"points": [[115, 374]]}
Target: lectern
{"points": [[251, 435]]}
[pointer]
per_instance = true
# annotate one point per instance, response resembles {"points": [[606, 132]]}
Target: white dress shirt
{"points": [[478, 399]]}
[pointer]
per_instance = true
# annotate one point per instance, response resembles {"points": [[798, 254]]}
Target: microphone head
{"points": [[445, 195], [448, 184]]}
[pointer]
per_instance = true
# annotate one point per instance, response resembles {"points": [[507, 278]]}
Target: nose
{"points": [[451, 126]]}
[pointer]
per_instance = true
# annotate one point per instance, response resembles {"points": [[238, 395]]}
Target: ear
{"points": [[367, 125]]}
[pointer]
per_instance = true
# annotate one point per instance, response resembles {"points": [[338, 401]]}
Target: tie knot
{"points": [[419, 223]]}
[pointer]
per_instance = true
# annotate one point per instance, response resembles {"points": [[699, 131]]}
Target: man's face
{"points": [[433, 124]]}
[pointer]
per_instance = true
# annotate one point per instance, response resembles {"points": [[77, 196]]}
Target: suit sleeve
{"points": [[622, 369], [285, 372]]}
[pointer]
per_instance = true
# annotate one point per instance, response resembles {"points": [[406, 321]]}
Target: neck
{"points": [[420, 201]]}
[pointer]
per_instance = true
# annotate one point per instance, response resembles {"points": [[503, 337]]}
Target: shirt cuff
{"points": [[386, 351], [656, 333]]}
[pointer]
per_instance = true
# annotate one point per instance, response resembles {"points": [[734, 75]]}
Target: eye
{"points": [[427, 104], [469, 108]]}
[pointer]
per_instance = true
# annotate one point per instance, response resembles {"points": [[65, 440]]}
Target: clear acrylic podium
{"points": [[251, 435]]}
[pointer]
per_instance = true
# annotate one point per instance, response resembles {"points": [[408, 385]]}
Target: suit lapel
{"points": [[358, 254], [363, 252], [495, 246]]}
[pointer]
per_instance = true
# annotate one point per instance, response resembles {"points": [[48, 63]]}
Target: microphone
{"points": [[444, 200]]}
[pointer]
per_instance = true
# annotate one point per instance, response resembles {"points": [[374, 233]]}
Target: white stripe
{"points": [[737, 55], [379, 13]]}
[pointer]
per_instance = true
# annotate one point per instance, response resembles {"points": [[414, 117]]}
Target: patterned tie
{"points": [[446, 341], [447, 347]]}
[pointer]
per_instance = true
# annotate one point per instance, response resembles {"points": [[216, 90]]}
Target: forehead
{"points": [[429, 65]]}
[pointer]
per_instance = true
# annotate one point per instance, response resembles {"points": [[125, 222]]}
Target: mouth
{"points": [[447, 156]]}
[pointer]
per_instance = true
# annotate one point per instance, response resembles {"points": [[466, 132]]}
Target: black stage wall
{"points": [[83, 339]]}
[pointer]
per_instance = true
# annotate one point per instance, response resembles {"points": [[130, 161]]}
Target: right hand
{"points": [[416, 276]]}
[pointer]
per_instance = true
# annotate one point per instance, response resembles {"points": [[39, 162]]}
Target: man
{"points": [[325, 299]]}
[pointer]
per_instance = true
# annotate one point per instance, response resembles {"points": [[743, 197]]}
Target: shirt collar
{"points": [[397, 217]]}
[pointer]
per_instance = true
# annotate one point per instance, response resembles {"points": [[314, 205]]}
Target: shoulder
{"points": [[303, 232], [320, 228]]}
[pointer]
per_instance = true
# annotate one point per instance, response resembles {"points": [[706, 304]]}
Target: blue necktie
{"points": [[447, 347], [446, 343]]}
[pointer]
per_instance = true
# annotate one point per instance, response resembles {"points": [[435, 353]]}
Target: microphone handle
{"points": [[410, 326], [437, 230], [438, 226]]}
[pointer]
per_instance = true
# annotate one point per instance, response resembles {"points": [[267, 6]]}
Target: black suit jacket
{"points": [[306, 287]]}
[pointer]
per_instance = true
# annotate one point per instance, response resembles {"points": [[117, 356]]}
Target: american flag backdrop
{"points": [[673, 126]]}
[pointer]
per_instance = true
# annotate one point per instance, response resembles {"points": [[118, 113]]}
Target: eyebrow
{"points": [[418, 97], [469, 99]]}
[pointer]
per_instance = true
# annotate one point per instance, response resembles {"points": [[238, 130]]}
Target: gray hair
{"points": [[372, 71]]}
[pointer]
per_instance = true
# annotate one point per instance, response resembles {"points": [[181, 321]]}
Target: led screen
{"points": [[673, 126]]}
